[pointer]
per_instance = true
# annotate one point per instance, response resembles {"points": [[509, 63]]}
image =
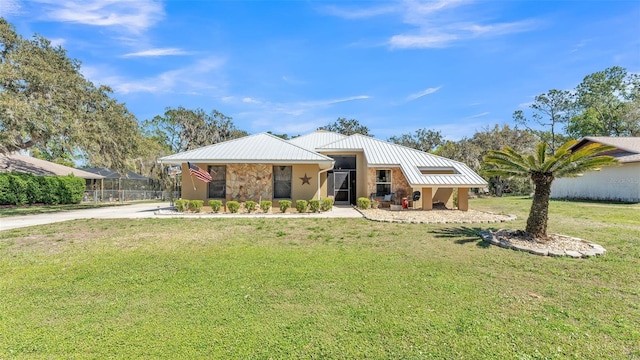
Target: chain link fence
{"points": [[128, 195]]}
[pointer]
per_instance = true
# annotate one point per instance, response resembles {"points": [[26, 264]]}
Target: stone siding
{"points": [[398, 181], [249, 182]]}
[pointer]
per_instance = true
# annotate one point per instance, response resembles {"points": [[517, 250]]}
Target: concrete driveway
{"points": [[146, 210]]}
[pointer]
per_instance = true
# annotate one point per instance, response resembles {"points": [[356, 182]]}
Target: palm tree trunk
{"points": [[539, 213]]}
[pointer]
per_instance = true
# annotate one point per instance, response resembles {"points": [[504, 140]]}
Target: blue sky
{"points": [[292, 66]]}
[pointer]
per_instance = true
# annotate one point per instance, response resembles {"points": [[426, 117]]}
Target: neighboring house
{"points": [[30, 165], [322, 164], [613, 183]]}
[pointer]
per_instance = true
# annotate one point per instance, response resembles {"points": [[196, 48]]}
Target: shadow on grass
{"points": [[463, 234]]}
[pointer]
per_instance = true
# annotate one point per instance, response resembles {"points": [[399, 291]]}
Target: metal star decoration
{"points": [[305, 179]]}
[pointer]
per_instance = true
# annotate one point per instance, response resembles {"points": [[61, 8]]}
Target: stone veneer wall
{"points": [[398, 181], [249, 182]]}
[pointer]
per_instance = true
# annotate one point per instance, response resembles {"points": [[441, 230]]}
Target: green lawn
{"points": [[319, 288], [44, 209]]}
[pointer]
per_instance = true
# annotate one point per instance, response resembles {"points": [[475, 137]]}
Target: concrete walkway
{"points": [[149, 210]]}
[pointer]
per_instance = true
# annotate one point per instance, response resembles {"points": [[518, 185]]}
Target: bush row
{"points": [[233, 207], [20, 189]]}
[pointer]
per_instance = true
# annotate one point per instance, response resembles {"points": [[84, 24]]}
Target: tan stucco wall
{"points": [[443, 195], [301, 191], [255, 182], [192, 188], [619, 183]]}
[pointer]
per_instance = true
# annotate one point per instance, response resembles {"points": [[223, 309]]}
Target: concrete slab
{"points": [[148, 210]]}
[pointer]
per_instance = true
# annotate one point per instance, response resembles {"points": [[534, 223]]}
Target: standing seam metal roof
{"points": [[257, 148], [316, 139], [381, 153]]}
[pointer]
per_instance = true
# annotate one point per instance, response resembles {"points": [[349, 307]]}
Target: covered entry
{"points": [[341, 182]]}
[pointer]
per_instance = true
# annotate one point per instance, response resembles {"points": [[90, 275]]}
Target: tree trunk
{"points": [[539, 213]]}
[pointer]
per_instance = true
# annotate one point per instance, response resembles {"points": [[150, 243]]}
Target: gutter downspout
{"points": [[320, 172]]}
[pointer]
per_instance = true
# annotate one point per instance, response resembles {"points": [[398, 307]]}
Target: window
{"points": [[383, 182], [218, 186], [344, 162], [282, 182]]}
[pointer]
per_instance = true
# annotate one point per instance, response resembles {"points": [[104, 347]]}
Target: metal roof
{"points": [[257, 148], [316, 139], [379, 153], [30, 165]]}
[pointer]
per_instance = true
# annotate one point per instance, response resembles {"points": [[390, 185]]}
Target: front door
{"points": [[342, 185]]}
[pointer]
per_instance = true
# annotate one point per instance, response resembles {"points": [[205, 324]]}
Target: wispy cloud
{"points": [[58, 41], [292, 80], [435, 24], [249, 100], [190, 79], [351, 98], [360, 13], [9, 7], [478, 115], [286, 117], [156, 52], [423, 93], [294, 108], [135, 16]]}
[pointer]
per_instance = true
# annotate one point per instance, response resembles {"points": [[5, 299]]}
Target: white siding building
{"points": [[613, 183]]}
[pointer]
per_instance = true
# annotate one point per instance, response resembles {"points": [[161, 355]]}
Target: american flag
{"points": [[194, 170]]}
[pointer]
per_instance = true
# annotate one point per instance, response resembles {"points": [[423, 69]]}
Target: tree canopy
{"points": [[609, 103], [184, 129], [551, 110], [346, 127], [422, 139], [46, 102]]}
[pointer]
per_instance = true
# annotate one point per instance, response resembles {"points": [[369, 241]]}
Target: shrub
{"points": [[233, 206], [181, 205], [49, 185], [250, 205], [314, 205], [216, 205], [326, 204], [5, 193], [364, 203], [301, 206], [265, 205], [19, 189], [195, 205], [284, 205], [33, 189], [71, 189]]}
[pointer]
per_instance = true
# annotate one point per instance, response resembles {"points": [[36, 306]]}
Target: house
{"points": [[15, 162], [613, 183], [322, 164]]}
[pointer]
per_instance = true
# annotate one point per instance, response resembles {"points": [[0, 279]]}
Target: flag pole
{"points": [[192, 183]]}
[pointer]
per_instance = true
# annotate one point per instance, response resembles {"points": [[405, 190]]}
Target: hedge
{"points": [[20, 189]]}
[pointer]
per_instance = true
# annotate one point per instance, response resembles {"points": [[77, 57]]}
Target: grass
{"points": [[319, 288]]}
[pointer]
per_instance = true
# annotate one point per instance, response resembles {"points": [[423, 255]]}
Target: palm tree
{"points": [[543, 168]]}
